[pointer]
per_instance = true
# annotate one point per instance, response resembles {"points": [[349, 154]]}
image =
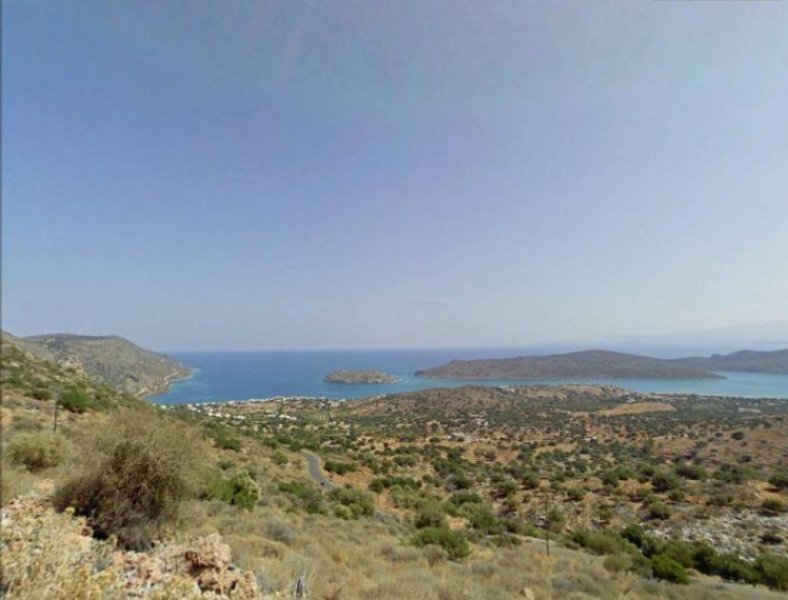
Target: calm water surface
{"points": [[222, 376]]}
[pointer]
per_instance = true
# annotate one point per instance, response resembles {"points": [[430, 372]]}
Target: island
{"points": [[359, 377], [598, 364]]}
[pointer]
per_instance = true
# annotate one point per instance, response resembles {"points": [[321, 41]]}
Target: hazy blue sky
{"points": [[307, 174]]}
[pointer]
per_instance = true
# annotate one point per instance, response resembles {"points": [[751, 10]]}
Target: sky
{"points": [[216, 175]]}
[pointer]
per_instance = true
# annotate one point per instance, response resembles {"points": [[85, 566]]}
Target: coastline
{"points": [[166, 385]]}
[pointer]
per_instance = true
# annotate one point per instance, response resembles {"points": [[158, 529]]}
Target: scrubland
{"points": [[442, 494]]}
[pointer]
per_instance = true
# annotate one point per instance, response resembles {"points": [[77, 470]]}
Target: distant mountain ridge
{"points": [[752, 361], [602, 364], [112, 359]]}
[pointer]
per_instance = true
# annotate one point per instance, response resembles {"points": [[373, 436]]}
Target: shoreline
{"points": [[166, 385]]}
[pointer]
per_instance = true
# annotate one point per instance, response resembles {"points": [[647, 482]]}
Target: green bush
{"points": [[453, 542], [694, 472], [359, 502], [773, 570], [340, 468], [37, 450], [779, 479], [225, 441], [664, 567], [75, 400], [728, 473], [430, 514], [306, 495], [680, 551], [245, 491], [659, 510], [482, 519], [602, 542], [136, 471], [664, 481]]}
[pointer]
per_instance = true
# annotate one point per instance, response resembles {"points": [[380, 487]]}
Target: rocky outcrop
{"points": [[52, 555], [359, 377]]}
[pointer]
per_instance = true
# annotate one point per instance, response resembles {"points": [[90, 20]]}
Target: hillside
{"points": [[590, 363], [438, 494], [745, 360], [114, 360]]}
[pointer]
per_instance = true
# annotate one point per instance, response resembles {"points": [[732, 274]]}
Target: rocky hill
{"points": [[114, 360], [590, 363], [745, 360]]}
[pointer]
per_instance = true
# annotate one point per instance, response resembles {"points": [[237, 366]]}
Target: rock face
{"points": [[111, 359], [50, 554], [591, 363], [358, 377]]}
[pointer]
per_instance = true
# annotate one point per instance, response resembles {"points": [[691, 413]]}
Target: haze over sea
{"points": [[225, 376]]}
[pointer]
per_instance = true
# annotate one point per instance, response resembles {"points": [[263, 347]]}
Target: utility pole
{"points": [[547, 523], [54, 416]]}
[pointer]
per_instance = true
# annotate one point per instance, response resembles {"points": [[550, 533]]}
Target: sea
{"points": [[264, 374]]}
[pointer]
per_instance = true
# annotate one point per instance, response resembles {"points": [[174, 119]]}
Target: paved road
{"points": [[316, 471]]}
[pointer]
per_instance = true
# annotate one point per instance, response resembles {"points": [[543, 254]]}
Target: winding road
{"points": [[315, 469]]}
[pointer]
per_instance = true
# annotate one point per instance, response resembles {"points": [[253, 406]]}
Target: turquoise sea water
{"points": [[223, 376]]}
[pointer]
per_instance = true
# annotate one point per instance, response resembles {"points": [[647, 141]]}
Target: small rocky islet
{"points": [[364, 377]]}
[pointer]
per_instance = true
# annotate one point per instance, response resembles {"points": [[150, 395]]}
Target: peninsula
{"points": [[359, 377], [109, 358]]}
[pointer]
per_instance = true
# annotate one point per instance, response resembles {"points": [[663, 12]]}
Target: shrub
{"points": [[359, 502], [556, 520], [773, 570], [732, 473], [680, 551], [694, 472], [74, 400], [434, 554], [618, 563], [37, 450], [664, 567], [779, 479], [530, 480], [430, 515], [772, 507], [279, 458], [609, 478], [244, 491], [340, 468], [601, 542], [306, 494], [460, 498], [453, 542], [225, 441], [729, 566], [659, 511], [136, 472], [664, 481], [482, 519]]}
